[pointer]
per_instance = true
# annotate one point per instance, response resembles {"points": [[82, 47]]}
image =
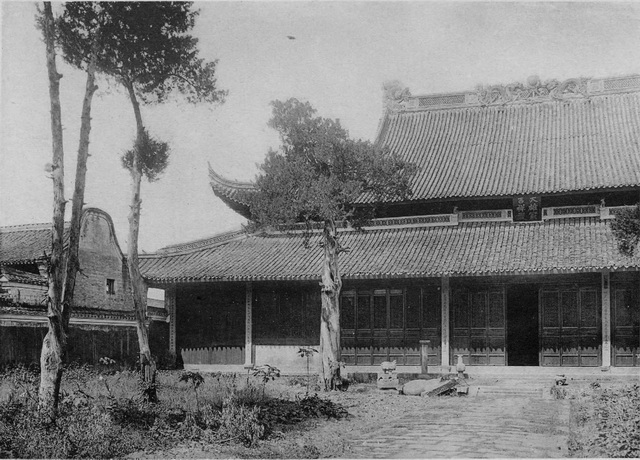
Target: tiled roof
{"points": [[538, 148], [538, 138], [31, 243], [26, 243], [19, 276], [478, 248]]}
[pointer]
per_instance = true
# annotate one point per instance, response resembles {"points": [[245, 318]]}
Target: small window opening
{"points": [[111, 286]]}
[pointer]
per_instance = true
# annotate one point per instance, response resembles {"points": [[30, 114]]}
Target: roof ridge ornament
{"points": [[395, 95], [533, 89]]}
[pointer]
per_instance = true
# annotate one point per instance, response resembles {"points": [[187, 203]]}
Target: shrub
{"points": [[283, 412], [78, 432], [195, 379], [617, 414], [104, 416], [318, 407], [266, 373]]}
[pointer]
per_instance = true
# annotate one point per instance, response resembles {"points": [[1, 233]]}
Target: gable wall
{"points": [[101, 259]]}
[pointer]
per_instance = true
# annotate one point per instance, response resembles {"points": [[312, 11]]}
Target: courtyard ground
{"points": [[243, 416], [502, 419]]}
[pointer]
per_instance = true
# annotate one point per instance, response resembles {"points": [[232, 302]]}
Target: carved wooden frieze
{"points": [[534, 89]]}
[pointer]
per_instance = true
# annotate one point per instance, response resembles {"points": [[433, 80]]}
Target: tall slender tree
{"points": [[146, 48], [63, 267], [320, 176]]}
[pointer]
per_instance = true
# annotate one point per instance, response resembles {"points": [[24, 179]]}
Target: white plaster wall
{"points": [[286, 358]]}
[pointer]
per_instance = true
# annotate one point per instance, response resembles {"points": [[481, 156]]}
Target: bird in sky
{"points": [[291, 37]]}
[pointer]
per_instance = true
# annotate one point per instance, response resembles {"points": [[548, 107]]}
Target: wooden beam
{"points": [[170, 306], [445, 293], [606, 318], [248, 332]]}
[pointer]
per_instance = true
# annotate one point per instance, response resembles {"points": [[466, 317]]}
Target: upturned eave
{"points": [[235, 194]]}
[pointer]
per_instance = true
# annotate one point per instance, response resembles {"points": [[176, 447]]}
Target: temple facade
{"points": [[503, 255]]}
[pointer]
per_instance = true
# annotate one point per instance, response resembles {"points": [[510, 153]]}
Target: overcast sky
{"points": [[341, 55]]}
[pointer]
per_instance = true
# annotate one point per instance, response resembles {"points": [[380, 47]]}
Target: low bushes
{"points": [[606, 422], [76, 433], [102, 415]]}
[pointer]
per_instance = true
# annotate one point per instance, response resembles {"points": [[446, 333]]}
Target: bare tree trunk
{"points": [[330, 313], [72, 264], [138, 287], [54, 344], [62, 271]]}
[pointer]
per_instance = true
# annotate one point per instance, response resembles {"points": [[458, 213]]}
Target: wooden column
{"points": [[248, 332], [170, 306], [445, 292], [606, 318]]}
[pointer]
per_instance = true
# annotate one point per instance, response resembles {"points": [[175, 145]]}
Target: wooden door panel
{"points": [[478, 326], [364, 357], [570, 361], [364, 347], [388, 324], [626, 346], [550, 353], [412, 347], [570, 327], [626, 326], [396, 347], [590, 349], [497, 347], [348, 345]]}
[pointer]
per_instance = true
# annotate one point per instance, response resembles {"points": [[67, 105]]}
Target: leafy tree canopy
{"points": [[626, 229], [153, 156], [141, 43], [319, 173]]}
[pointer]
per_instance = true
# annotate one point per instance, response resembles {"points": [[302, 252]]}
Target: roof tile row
{"points": [[580, 244]]}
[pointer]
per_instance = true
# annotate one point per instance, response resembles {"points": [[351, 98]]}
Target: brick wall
{"points": [[101, 259]]}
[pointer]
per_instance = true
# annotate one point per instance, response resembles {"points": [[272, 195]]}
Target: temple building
{"points": [[503, 254], [102, 324]]}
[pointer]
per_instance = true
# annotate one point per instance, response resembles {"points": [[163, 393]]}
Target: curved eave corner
{"points": [[234, 194]]}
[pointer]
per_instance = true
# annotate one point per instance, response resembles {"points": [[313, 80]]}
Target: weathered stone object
{"points": [[431, 387], [561, 379], [387, 377], [446, 386]]}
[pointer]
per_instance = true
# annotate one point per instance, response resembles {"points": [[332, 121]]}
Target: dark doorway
{"points": [[522, 325]]}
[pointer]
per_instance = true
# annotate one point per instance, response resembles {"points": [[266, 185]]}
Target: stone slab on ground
{"points": [[446, 386], [420, 387]]}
